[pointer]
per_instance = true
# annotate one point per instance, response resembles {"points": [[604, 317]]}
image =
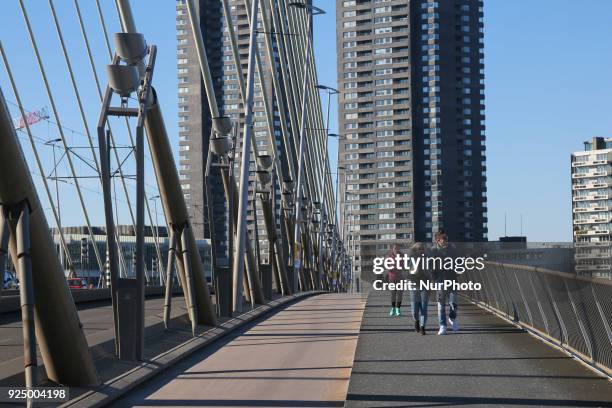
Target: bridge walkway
{"points": [[489, 362], [300, 356]]}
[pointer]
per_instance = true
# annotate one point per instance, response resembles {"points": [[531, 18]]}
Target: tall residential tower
{"points": [[412, 121]]}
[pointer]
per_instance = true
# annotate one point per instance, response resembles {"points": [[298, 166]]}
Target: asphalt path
{"points": [[488, 363]]}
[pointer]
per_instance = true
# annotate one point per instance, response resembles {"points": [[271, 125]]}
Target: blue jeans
{"points": [[443, 296], [419, 300]]}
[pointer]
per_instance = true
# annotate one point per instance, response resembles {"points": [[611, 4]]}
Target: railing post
{"points": [[558, 315], [189, 289], [606, 322], [544, 319], [527, 308], [585, 336]]}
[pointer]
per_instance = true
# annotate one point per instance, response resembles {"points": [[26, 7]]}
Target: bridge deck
{"points": [[97, 321], [489, 362], [300, 356]]}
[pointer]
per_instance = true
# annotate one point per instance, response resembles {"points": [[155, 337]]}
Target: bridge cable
{"points": [[36, 156], [63, 138]]}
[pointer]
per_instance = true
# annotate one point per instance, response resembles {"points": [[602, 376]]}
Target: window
{"points": [[379, 51], [382, 20], [383, 40], [383, 30], [385, 9]]}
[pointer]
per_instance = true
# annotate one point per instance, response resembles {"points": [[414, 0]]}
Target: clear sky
{"points": [[548, 74]]}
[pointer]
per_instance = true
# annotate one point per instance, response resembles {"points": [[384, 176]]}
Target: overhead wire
{"points": [[36, 155], [62, 135]]}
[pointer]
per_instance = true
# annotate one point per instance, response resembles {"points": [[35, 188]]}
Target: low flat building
{"points": [[85, 263]]}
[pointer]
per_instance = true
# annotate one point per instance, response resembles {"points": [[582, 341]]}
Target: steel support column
{"points": [[26, 292], [169, 268], [61, 339]]}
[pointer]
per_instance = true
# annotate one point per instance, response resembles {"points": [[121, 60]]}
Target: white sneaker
{"points": [[442, 331]]}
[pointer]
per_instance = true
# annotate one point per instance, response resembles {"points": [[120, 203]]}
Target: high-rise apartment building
{"points": [[195, 121], [412, 119], [194, 117], [592, 207]]}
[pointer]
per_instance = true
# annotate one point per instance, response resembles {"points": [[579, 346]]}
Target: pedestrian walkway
{"points": [[489, 362], [298, 357]]}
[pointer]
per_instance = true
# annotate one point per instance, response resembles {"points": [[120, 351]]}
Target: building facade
{"points": [[195, 121], [592, 207], [194, 117], [412, 120]]}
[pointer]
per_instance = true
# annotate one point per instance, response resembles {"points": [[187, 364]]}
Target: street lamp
{"points": [[52, 143], [330, 91]]}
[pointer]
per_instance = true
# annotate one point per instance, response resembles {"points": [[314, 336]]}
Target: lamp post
{"points": [[297, 246], [350, 233], [330, 91], [52, 143], [126, 76], [337, 233]]}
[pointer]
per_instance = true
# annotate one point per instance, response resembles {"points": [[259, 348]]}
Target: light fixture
{"points": [[263, 176], [265, 161], [222, 125], [131, 47], [288, 183], [123, 79], [220, 145]]}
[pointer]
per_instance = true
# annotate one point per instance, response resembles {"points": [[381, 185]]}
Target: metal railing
{"points": [[572, 312]]}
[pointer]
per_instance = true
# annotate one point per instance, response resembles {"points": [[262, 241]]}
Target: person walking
{"points": [[394, 276], [442, 248], [419, 298]]}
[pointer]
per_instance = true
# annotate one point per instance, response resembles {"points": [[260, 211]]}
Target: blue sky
{"points": [[548, 66]]}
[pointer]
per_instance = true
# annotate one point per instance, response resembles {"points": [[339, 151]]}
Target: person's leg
{"points": [[415, 305], [393, 303], [452, 312], [442, 311], [398, 305], [424, 294]]}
